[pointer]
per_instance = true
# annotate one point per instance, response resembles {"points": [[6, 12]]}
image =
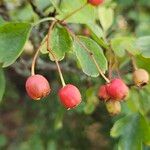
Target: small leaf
{"points": [[84, 58], [143, 43], [2, 84], [133, 130], [106, 16], [12, 39], [120, 44], [61, 42], [119, 126], [85, 15], [145, 130], [96, 29], [43, 48], [143, 62]]}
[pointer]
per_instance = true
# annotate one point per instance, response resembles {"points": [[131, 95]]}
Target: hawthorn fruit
{"points": [[37, 87], [69, 96], [117, 89], [103, 94], [140, 77]]}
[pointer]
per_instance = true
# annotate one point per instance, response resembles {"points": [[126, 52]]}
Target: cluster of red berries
{"points": [[112, 93], [38, 87], [116, 91]]}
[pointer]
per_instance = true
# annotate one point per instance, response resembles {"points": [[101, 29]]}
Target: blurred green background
{"points": [[45, 124]]}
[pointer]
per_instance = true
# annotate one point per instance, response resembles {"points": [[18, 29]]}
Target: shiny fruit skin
{"points": [[37, 87], [102, 93], [95, 2], [69, 96], [117, 89], [140, 77], [113, 107]]}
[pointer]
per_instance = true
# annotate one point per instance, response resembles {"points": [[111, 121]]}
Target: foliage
{"points": [[112, 34]]}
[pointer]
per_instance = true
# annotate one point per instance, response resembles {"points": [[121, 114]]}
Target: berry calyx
{"points": [[95, 2], [103, 94], [37, 87], [113, 107], [117, 89], [69, 96], [140, 77]]}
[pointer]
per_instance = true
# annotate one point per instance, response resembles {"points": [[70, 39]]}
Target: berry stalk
{"points": [[134, 63], [53, 55], [35, 58]]}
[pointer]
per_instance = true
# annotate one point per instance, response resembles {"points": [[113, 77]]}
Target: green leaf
{"points": [[95, 29], [12, 39], [106, 16], [143, 62], [143, 43], [120, 44], [61, 42], [84, 58], [43, 48], [119, 126], [133, 101], [85, 15], [145, 129], [2, 84], [133, 130]]}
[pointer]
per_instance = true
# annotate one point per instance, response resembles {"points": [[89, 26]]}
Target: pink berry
{"points": [[37, 87], [117, 89], [69, 96], [103, 94], [95, 2]]}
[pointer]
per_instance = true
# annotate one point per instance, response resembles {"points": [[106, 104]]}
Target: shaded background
{"points": [[26, 124]]}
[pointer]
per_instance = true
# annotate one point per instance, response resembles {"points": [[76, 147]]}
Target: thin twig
{"points": [[132, 60], [35, 58], [134, 63], [35, 9], [53, 55]]}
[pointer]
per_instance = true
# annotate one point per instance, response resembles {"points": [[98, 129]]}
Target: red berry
{"points": [[117, 89], [69, 96], [102, 93], [37, 87], [95, 2]]}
